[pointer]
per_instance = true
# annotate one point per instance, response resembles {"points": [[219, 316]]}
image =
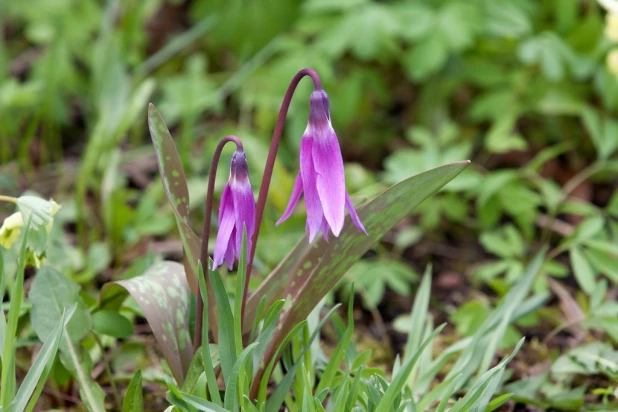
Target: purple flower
{"points": [[321, 176], [237, 208]]}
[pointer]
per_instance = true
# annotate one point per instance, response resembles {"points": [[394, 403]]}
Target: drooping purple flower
{"points": [[237, 208], [321, 177]]}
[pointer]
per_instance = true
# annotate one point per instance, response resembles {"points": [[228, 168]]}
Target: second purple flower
{"points": [[321, 177], [237, 208]]}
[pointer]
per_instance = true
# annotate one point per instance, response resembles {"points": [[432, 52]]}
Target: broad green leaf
{"points": [[134, 398], [163, 295], [582, 270], [176, 190], [38, 372], [112, 323], [51, 293], [318, 272]]}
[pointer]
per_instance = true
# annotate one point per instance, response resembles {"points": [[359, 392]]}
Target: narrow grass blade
{"points": [[233, 398], [40, 368], [419, 314], [394, 389], [227, 337], [240, 287], [209, 370], [473, 395], [7, 378], [2, 317], [332, 367], [276, 399]]}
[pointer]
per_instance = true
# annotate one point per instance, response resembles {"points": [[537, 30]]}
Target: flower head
{"points": [[237, 208], [611, 25], [321, 177], [9, 232]]}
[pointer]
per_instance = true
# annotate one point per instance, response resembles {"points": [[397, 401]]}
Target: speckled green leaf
{"points": [[176, 190], [319, 270], [163, 294], [272, 289]]}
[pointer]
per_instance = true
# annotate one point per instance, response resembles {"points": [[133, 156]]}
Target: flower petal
{"points": [[353, 215], [325, 229], [296, 192], [330, 180], [230, 253], [244, 210], [226, 226], [312, 199]]}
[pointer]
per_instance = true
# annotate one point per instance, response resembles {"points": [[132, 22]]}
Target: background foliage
{"points": [[520, 87]]}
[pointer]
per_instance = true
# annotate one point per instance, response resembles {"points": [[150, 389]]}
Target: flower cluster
{"points": [[321, 180]]}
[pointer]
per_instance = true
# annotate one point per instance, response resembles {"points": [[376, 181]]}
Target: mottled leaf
{"points": [[273, 287], [163, 295], [320, 269], [176, 190]]}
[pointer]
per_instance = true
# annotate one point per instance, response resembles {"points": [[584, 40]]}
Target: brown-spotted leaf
{"points": [[176, 190], [163, 295], [310, 278], [274, 285]]}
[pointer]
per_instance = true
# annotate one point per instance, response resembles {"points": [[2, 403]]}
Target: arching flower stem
{"points": [[197, 337], [270, 164]]}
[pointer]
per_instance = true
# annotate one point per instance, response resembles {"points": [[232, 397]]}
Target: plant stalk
{"points": [[197, 337], [270, 164]]}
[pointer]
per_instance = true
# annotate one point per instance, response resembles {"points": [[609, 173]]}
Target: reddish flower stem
{"points": [[197, 337], [270, 164]]}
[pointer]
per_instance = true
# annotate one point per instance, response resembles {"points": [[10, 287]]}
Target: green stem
{"points": [[8, 199]]}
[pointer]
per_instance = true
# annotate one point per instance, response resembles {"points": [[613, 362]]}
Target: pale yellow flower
{"points": [[9, 232], [611, 25], [612, 62], [609, 5]]}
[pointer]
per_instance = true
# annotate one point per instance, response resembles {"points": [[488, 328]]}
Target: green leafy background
{"points": [[520, 87]]}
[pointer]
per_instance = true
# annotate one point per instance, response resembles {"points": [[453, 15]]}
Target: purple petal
{"points": [[244, 209], [330, 180], [229, 253], [226, 226], [296, 192], [312, 199], [325, 229], [353, 215]]}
